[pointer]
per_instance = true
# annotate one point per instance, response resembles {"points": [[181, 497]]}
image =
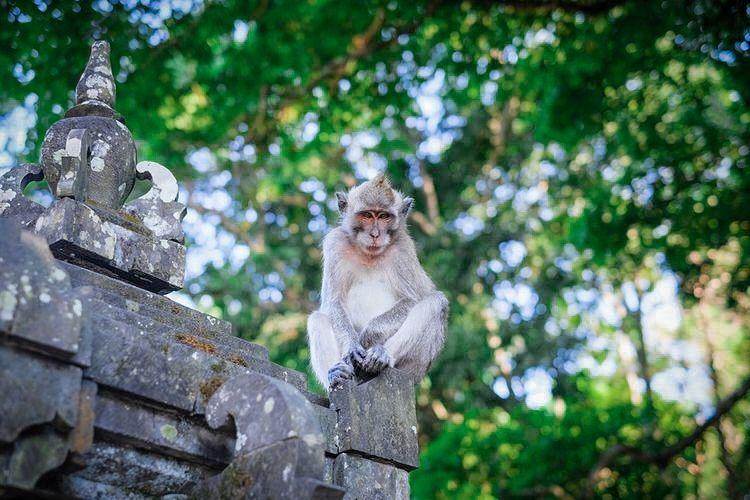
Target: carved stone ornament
{"points": [[279, 451], [89, 162]]}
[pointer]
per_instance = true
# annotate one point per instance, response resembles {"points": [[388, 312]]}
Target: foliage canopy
{"points": [[580, 170]]}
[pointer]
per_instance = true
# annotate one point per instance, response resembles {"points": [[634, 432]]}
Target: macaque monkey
{"points": [[378, 306]]}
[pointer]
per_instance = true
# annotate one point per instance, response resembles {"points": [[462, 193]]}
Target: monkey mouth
{"points": [[374, 248]]}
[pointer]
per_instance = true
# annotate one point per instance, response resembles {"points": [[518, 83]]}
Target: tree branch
{"points": [[430, 194], [663, 457], [423, 222]]}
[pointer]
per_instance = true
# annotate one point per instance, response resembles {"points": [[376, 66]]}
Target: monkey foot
{"points": [[376, 360], [340, 373]]}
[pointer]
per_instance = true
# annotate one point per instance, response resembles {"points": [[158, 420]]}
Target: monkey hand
{"points": [[340, 373], [355, 356], [376, 359]]}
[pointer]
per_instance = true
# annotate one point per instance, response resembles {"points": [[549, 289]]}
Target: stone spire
{"points": [[88, 158], [96, 82], [103, 172]]}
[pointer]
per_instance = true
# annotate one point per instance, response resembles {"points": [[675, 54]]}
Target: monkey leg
{"points": [[420, 338], [325, 351]]}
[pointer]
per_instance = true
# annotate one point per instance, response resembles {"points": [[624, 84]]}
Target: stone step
{"points": [[222, 345], [131, 423], [161, 309], [156, 366], [157, 306]]}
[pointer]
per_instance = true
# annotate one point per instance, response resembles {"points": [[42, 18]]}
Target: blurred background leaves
{"points": [[580, 170]]}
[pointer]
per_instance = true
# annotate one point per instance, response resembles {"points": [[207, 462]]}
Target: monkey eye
{"points": [[364, 216], [385, 216]]}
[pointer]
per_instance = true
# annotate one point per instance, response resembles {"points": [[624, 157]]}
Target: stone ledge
{"points": [[121, 471], [156, 365], [367, 480], [378, 418], [77, 233], [130, 423]]}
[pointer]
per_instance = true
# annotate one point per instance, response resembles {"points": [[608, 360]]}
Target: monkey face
{"points": [[372, 214], [373, 229]]}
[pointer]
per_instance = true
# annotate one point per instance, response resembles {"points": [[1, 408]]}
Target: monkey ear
{"points": [[342, 200], [406, 206]]}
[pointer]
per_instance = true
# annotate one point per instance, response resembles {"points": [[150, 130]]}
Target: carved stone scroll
{"points": [[279, 452]]}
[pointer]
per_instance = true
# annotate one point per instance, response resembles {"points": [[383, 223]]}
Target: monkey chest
{"points": [[369, 297]]}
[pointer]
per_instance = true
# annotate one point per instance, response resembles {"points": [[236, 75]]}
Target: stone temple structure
{"points": [[109, 389]]}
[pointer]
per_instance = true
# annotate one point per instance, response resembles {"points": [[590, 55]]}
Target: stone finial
{"points": [[96, 82], [89, 161], [101, 171]]}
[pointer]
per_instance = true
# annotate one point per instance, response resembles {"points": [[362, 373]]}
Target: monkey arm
{"points": [[346, 335], [381, 327]]}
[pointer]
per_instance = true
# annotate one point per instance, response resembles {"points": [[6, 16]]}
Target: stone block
{"points": [[364, 479], [169, 368], [152, 305], [119, 471], [270, 472], [82, 436], [109, 243], [129, 422], [149, 366], [378, 418], [215, 344], [14, 206], [33, 455], [327, 420], [37, 305], [35, 390]]}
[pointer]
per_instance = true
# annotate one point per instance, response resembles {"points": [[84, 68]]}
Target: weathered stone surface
{"points": [[218, 345], [159, 209], [378, 418], [327, 419], [279, 452], [96, 82], [32, 456], [35, 390], [170, 368], [108, 164], [157, 307], [148, 366], [267, 473], [36, 302], [90, 155], [14, 206], [266, 411], [328, 469], [77, 233], [131, 423], [367, 480], [75, 224], [73, 176], [78, 487], [82, 436], [114, 471]]}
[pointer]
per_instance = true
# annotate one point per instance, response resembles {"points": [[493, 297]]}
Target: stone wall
{"points": [[109, 389]]}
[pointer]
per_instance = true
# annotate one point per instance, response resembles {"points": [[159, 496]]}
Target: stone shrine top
{"points": [[108, 389]]}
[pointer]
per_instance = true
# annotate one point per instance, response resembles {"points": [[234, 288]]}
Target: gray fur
{"points": [[385, 325], [409, 334]]}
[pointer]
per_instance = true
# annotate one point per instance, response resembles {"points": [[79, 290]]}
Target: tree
{"points": [[579, 169]]}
